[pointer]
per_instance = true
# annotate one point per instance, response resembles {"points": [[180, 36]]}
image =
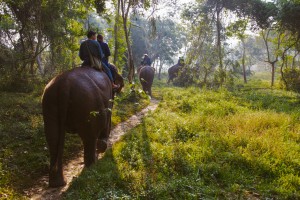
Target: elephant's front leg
{"points": [[104, 134], [90, 156]]}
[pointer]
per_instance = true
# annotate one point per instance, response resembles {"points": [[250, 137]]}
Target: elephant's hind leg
{"points": [[55, 140], [150, 91], [90, 155]]}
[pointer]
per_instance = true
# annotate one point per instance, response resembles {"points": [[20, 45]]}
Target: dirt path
{"points": [[74, 167]]}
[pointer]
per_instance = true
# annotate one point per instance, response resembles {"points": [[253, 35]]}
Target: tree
{"points": [[160, 44], [238, 29], [126, 7], [31, 26], [272, 49]]}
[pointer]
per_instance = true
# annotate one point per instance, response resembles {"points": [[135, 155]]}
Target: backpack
{"points": [[95, 61]]}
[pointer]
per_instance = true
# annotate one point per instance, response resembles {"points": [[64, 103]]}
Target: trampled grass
{"points": [[203, 144], [23, 149]]}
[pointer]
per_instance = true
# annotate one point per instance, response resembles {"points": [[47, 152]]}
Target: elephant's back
{"points": [[81, 88], [173, 69], [81, 78], [147, 73]]}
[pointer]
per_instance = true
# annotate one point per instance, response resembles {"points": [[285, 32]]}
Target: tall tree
{"points": [[272, 48], [238, 29], [126, 7], [161, 43], [125, 10]]}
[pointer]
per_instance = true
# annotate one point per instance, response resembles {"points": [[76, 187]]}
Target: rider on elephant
{"points": [[146, 60], [91, 48], [106, 52], [181, 61]]}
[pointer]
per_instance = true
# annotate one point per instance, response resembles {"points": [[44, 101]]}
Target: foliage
{"points": [[204, 144], [117, 43], [161, 44], [40, 38], [129, 102], [289, 16], [292, 81]]}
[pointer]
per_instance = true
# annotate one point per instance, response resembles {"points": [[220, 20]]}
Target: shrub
{"points": [[291, 80], [18, 83]]}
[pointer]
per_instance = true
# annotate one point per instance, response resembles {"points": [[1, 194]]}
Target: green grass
{"points": [[202, 144], [23, 149]]}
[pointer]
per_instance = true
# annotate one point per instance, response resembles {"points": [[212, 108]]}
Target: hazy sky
{"points": [[165, 8]]}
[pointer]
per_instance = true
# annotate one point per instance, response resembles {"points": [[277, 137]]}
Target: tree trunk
{"points": [[265, 38], [294, 59], [159, 70], [243, 61], [273, 73], [130, 58], [125, 11], [40, 66], [116, 33], [219, 46], [205, 76]]}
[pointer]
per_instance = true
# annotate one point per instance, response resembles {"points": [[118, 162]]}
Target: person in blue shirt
{"points": [[106, 52], [92, 46], [105, 48]]}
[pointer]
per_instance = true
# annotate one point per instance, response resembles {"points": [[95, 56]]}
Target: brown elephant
{"points": [[146, 76], [174, 70], [77, 101]]}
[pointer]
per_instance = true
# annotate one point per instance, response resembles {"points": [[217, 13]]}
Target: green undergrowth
{"points": [[127, 104], [202, 144], [23, 149]]}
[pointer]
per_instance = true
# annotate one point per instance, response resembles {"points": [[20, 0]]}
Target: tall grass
{"points": [[203, 144]]}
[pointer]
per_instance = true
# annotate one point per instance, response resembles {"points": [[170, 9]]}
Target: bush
{"points": [[185, 77], [291, 79], [18, 83]]}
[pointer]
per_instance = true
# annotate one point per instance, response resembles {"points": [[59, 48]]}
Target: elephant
{"points": [[77, 101], [173, 72], [146, 76]]}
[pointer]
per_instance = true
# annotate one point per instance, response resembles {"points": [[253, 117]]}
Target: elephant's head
{"points": [[118, 78], [119, 81]]}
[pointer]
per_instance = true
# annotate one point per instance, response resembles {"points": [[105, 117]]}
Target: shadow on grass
{"points": [[140, 167], [131, 171], [23, 152], [117, 174]]}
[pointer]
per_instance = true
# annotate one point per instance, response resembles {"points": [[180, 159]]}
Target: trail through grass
{"points": [[204, 144]]}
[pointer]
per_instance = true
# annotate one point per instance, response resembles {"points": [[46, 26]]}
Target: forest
{"points": [[222, 120]]}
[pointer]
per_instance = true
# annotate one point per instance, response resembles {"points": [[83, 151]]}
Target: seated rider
{"points": [[146, 60], [181, 61], [106, 52], [93, 47]]}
